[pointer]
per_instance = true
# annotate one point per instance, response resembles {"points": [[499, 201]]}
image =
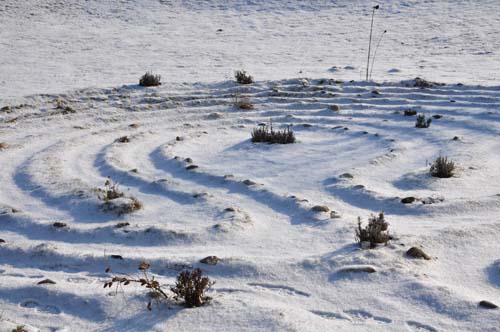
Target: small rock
{"points": [[134, 125], [456, 138], [59, 225], [116, 257], [334, 215], [46, 281], [249, 182], [335, 108], [215, 116], [230, 209], [375, 92], [123, 139], [452, 101], [487, 304], [346, 176], [345, 128], [359, 187], [416, 252], [307, 125], [188, 160], [408, 200], [5, 109], [178, 138], [190, 167], [320, 208], [210, 260], [358, 269], [437, 116], [122, 224], [2, 241]]}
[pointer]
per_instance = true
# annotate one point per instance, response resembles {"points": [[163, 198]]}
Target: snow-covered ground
{"points": [[283, 267]]}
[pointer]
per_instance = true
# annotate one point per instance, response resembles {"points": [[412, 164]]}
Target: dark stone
{"points": [[416, 252], [59, 225], [358, 269], [210, 260], [190, 167], [46, 281], [116, 257], [230, 209], [487, 304], [408, 200], [122, 224], [320, 208], [437, 116], [249, 182]]}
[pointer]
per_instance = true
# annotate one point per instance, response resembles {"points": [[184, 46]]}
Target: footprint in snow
{"points": [[32, 304], [362, 314], [330, 315], [417, 327], [280, 289]]}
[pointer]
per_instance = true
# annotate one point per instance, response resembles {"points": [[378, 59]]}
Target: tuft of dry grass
{"points": [[375, 232], [242, 77], [422, 121], [191, 287], [266, 134], [442, 168], [150, 79], [242, 102]]}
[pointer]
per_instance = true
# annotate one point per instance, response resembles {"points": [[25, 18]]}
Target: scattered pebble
{"points": [[416, 252], [116, 256], [210, 260], [46, 281], [487, 304], [59, 224], [249, 182], [122, 224], [320, 208], [408, 200], [190, 167], [335, 108]]}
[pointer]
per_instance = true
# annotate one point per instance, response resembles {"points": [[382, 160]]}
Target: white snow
{"points": [[283, 267]]}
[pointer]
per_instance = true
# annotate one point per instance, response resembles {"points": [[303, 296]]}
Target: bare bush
{"points": [[242, 77], [191, 287], [375, 232], [150, 79], [110, 191], [442, 168], [266, 134], [422, 121]]}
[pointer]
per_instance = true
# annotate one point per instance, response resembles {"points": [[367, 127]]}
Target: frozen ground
{"points": [[283, 267]]}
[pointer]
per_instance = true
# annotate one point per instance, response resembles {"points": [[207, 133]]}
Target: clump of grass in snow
{"points": [[422, 121], [242, 102], [265, 134], [150, 79], [375, 232], [442, 168], [190, 286], [242, 77]]}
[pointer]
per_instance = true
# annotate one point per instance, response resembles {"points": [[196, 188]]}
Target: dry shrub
{"points": [[375, 232], [110, 191], [20, 328], [422, 121], [242, 77], [150, 79], [442, 168], [191, 287], [266, 134], [242, 102]]}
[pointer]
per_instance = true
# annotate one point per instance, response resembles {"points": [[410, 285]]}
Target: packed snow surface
{"points": [[72, 117]]}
